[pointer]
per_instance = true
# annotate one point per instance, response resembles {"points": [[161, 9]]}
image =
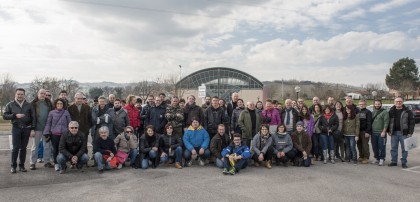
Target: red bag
{"points": [[122, 156], [114, 161]]}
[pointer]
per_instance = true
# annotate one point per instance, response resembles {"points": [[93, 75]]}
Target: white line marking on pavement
{"points": [[412, 169], [10, 142]]}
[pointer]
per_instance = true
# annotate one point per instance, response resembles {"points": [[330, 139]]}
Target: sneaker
{"points": [[13, 170], [225, 171], [332, 161], [40, 161], [375, 161], [100, 171], [404, 166], [360, 159], [232, 171], [381, 162], [48, 165], [57, 167], [72, 166], [392, 164], [365, 161], [119, 166], [32, 167], [256, 163], [189, 163], [325, 161], [201, 162], [22, 169], [355, 162], [62, 171], [79, 166]]}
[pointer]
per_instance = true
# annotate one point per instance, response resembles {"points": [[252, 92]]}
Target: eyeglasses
{"points": [[59, 103], [129, 131], [48, 95], [169, 128], [74, 127]]}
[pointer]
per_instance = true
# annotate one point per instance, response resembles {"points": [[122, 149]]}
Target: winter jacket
{"points": [[230, 107], [216, 144], [309, 125], [380, 119], [157, 118], [57, 122], [169, 141], [271, 114], [84, 117], [241, 150], [365, 117], [191, 111], [261, 144], [103, 120], [196, 138], [325, 125], [282, 143], [120, 120], [245, 123], [295, 113], [351, 127], [73, 145], [104, 146], [145, 147], [213, 117], [406, 120], [175, 116], [124, 144], [305, 144], [13, 108], [41, 121], [235, 116], [133, 115]]}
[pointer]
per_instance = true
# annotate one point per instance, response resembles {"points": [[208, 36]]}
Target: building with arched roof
{"points": [[221, 82]]}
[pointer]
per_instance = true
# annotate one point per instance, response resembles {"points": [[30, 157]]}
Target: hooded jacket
{"points": [[196, 138]]}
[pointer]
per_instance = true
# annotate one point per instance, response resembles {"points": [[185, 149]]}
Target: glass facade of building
{"points": [[220, 81]]}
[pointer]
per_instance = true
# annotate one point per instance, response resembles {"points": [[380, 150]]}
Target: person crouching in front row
{"points": [[104, 146], [235, 156]]}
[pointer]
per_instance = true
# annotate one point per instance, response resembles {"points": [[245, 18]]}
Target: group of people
{"points": [[180, 132]]}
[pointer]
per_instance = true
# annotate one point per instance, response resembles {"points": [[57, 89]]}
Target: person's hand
{"points": [[201, 152], [304, 154], [111, 154], [282, 154], [232, 132], [278, 155], [155, 149], [383, 134], [179, 115], [238, 157], [367, 135], [32, 133], [261, 157], [231, 157], [19, 116], [163, 155], [223, 159], [356, 138], [409, 135], [193, 152], [74, 159]]}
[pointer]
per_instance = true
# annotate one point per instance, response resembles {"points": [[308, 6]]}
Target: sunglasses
{"points": [[73, 127], [129, 131]]}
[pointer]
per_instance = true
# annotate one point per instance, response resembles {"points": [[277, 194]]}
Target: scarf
{"points": [[328, 116], [288, 116]]}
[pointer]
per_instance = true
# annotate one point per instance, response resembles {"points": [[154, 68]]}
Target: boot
{"points": [[268, 164], [178, 165], [332, 156], [324, 152], [256, 163]]}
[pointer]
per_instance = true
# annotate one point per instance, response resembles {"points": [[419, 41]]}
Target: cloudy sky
{"points": [[344, 41]]}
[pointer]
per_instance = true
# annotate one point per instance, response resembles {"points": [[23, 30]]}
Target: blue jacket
{"points": [[196, 138], [242, 150]]}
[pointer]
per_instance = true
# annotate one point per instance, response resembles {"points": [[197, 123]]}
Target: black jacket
{"points": [[169, 141], [295, 117], [156, 117], [406, 120], [104, 146], [324, 125], [73, 145], [145, 148], [213, 117], [216, 145], [13, 108], [365, 117], [191, 111]]}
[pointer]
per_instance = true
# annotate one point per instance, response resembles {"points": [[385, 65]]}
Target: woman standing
{"points": [[57, 124], [234, 127], [328, 124], [170, 145], [260, 107], [262, 147], [149, 143], [316, 139], [351, 128], [308, 120], [338, 135]]}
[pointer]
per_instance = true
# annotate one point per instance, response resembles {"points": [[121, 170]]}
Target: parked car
{"points": [[414, 105]]}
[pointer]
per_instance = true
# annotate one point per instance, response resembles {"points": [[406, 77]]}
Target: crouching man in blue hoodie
{"points": [[235, 156]]}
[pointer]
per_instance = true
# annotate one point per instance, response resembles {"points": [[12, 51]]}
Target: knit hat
{"points": [[299, 123]]}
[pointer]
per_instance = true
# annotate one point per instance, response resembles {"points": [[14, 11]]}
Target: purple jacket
{"points": [[310, 125], [57, 122], [273, 114]]}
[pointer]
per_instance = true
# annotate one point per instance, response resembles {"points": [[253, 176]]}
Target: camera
{"points": [[267, 120]]}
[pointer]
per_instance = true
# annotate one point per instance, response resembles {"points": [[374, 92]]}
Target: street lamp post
{"points": [[374, 93], [297, 90]]}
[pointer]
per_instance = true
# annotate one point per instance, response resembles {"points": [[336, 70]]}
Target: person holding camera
{"points": [[271, 116]]}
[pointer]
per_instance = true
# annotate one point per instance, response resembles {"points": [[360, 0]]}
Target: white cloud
{"points": [[382, 7]]}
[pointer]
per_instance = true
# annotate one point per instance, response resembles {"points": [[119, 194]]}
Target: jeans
{"points": [[61, 160], [132, 155], [340, 148], [351, 148], [316, 144], [188, 154], [378, 146], [47, 151], [102, 164], [268, 156], [55, 141], [398, 137], [34, 149], [306, 162], [20, 138], [327, 142], [152, 156], [219, 163], [40, 149], [363, 145], [177, 155], [241, 164], [287, 156]]}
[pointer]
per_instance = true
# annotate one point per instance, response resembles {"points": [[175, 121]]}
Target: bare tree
{"points": [[7, 90], [71, 86]]}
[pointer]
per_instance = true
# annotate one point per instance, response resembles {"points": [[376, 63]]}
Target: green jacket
{"points": [[245, 123], [351, 126], [380, 120]]}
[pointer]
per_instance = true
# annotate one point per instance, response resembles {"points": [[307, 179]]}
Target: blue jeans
{"points": [[61, 159], [132, 155], [241, 164], [351, 147], [102, 164], [40, 150], [145, 162], [188, 154], [177, 155], [398, 137], [327, 142], [378, 146], [219, 163], [20, 139]]}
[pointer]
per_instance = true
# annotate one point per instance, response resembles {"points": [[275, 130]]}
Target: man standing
{"points": [[42, 107], [315, 100], [249, 121], [101, 116], [213, 116], [175, 116], [23, 118], [63, 96], [365, 117], [150, 102], [232, 104], [192, 110], [72, 148], [349, 101], [379, 128], [156, 116], [82, 114], [331, 102], [289, 116], [207, 103], [111, 100], [220, 141], [120, 118], [401, 126]]}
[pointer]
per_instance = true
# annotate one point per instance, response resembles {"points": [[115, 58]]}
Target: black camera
{"points": [[267, 120]]}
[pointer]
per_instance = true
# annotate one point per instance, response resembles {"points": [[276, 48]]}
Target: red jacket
{"points": [[133, 115]]}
